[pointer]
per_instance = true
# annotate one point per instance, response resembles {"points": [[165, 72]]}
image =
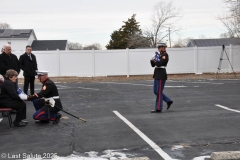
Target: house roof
{"points": [[16, 33], [42, 45], [213, 42]]}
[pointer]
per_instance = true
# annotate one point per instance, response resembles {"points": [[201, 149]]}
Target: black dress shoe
{"points": [[25, 121], [156, 111], [42, 121], [169, 104], [57, 118], [19, 124]]}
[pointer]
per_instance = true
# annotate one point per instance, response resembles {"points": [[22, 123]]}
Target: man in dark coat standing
{"points": [[159, 62], [8, 60], [28, 64]]}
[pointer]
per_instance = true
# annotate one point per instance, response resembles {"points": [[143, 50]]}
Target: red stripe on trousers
{"points": [[39, 114], [159, 94]]}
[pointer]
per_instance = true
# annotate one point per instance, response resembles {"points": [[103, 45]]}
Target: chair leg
{"points": [[10, 119]]}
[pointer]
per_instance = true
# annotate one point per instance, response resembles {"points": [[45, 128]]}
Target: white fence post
{"points": [[196, 59], [93, 62], [230, 58], [127, 61]]}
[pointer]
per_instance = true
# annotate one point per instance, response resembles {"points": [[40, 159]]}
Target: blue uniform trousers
{"points": [[41, 114], [160, 96]]}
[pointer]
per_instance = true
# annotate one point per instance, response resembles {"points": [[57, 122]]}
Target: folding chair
{"points": [[8, 111]]}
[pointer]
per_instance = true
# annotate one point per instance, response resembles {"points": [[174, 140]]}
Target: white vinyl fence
{"points": [[91, 63]]}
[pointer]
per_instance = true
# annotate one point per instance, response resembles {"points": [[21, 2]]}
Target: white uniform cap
{"points": [[161, 45], [41, 73]]}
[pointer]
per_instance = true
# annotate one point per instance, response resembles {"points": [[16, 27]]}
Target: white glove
{"points": [[51, 101], [23, 96], [153, 57]]}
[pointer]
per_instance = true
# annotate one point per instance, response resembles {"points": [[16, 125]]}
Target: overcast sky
{"points": [[93, 21]]}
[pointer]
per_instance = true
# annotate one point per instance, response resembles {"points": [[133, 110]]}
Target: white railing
{"points": [[91, 63]]}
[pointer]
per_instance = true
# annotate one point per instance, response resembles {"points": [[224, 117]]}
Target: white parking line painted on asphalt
{"points": [[163, 154], [175, 86], [128, 84], [229, 109], [63, 86], [89, 88], [196, 82], [144, 85], [37, 89]]}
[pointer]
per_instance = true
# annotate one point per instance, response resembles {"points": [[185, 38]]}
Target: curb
{"points": [[228, 155], [137, 158]]}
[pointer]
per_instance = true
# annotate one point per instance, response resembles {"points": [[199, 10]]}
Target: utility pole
{"points": [[238, 12], [169, 31]]}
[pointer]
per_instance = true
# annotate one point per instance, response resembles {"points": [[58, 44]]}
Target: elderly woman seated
{"points": [[10, 99]]}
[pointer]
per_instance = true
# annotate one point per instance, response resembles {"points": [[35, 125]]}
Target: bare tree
{"points": [[74, 46], [164, 17], [181, 43], [231, 20], [5, 26], [202, 36], [138, 41], [95, 46]]}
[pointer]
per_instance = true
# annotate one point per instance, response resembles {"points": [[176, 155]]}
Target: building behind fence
{"points": [[91, 63]]}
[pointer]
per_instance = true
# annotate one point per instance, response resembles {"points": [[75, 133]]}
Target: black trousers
{"points": [[28, 80], [19, 106]]}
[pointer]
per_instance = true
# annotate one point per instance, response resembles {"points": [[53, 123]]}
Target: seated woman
{"points": [[10, 99]]}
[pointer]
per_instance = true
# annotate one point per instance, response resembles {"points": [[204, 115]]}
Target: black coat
{"points": [[28, 66], [160, 73], [8, 62], [8, 92]]}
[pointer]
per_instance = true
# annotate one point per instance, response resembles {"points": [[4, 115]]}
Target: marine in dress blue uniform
{"points": [[159, 62], [45, 112]]}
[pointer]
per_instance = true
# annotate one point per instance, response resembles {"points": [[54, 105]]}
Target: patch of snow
{"points": [[201, 158], [177, 147], [92, 155]]}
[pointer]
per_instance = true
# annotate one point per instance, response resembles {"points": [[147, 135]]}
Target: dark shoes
{"points": [[169, 104], [24, 121], [42, 121], [19, 124], [57, 118], [156, 111]]}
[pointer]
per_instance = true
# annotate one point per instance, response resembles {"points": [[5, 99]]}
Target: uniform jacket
{"points": [[8, 62], [160, 73], [8, 92], [28, 66], [49, 89]]}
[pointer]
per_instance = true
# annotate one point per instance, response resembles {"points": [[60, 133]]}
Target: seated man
{"points": [[44, 111], [10, 99]]}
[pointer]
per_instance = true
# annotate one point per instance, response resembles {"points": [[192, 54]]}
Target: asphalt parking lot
{"points": [[204, 118]]}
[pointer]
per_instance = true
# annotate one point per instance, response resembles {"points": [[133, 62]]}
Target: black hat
{"points": [[161, 45], [42, 73]]}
